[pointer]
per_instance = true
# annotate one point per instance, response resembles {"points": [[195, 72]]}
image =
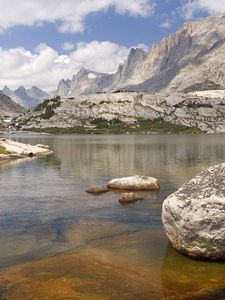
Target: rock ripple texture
{"points": [[194, 216]]}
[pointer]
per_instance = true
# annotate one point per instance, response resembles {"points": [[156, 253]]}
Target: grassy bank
{"points": [[115, 126], [4, 151]]}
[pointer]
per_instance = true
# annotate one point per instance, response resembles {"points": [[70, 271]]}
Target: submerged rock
{"points": [[194, 216], [97, 189], [134, 183], [127, 198]]}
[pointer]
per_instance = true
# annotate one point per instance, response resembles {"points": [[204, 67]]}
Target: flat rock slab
{"points": [[136, 183], [194, 216], [97, 189], [22, 149]]}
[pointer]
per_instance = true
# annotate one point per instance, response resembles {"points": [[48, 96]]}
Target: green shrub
{"points": [[49, 112]]}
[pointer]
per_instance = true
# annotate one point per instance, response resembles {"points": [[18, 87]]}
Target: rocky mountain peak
{"points": [[192, 52], [63, 87], [6, 89]]}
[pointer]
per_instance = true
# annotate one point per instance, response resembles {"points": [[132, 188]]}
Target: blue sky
{"points": [[96, 34]]}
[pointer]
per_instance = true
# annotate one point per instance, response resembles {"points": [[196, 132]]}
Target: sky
{"points": [[44, 41]]}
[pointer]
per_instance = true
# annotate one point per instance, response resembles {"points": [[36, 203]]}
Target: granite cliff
{"points": [[191, 59]]}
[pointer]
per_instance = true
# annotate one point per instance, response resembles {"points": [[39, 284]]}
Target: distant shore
{"points": [[117, 127]]}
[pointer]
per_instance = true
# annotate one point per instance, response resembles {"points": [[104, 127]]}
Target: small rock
{"points": [[127, 198], [97, 189], [134, 183]]}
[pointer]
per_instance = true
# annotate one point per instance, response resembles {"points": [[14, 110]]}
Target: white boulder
{"points": [[137, 182]]}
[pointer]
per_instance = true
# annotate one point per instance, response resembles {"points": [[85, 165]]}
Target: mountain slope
{"points": [[128, 110], [8, 106]]}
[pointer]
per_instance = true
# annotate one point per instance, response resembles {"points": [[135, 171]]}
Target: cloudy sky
{"points": [[46, 40]]}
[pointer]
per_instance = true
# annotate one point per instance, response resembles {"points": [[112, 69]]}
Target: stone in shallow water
{"points": [[134, 183], [127, 198], [97, 189], [194, 216]]}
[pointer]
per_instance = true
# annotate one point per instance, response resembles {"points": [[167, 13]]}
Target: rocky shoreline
{"points": [[14, 150]]}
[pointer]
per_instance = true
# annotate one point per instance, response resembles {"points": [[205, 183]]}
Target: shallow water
{"points": [[46, 214]]}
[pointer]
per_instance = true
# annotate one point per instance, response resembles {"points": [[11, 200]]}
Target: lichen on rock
{"points": [[194, 216]]}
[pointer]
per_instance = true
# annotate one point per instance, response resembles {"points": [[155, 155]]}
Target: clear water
{"points": [[45, 212]]}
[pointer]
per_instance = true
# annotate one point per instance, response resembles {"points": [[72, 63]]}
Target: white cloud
{"points": [[69, 14], [44, 66], [67, 46], [190, 7], [167, 24]]}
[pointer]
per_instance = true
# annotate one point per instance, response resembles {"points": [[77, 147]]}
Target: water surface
{"points": [[49, 225]]}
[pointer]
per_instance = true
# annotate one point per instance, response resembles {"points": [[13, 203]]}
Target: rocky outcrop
{"points": [[207, 114], [194, 216], [134, 183]]}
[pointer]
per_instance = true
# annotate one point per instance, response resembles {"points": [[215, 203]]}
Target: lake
{"points": [[58, 242]]}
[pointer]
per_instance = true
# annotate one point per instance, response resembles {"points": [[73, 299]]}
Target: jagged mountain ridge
{"points": [[190, 59], [26, 97], [87, 81]]}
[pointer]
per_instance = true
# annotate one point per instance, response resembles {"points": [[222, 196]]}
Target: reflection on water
{"points": [[45, 212]]}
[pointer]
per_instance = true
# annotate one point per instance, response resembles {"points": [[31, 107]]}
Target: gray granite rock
{"points": [[194, 216], [136, 183]]}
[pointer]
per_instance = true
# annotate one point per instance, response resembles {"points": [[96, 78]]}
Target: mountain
{"points": [[27, 97], [8, 106], [191, 59], [63, 87], [87, 82]]}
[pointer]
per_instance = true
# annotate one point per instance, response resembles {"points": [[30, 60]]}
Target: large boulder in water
{"points": [[194, 216], [134, 183]]}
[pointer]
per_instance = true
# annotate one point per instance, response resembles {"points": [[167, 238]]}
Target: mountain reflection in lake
{"points": [[57, 242]]}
